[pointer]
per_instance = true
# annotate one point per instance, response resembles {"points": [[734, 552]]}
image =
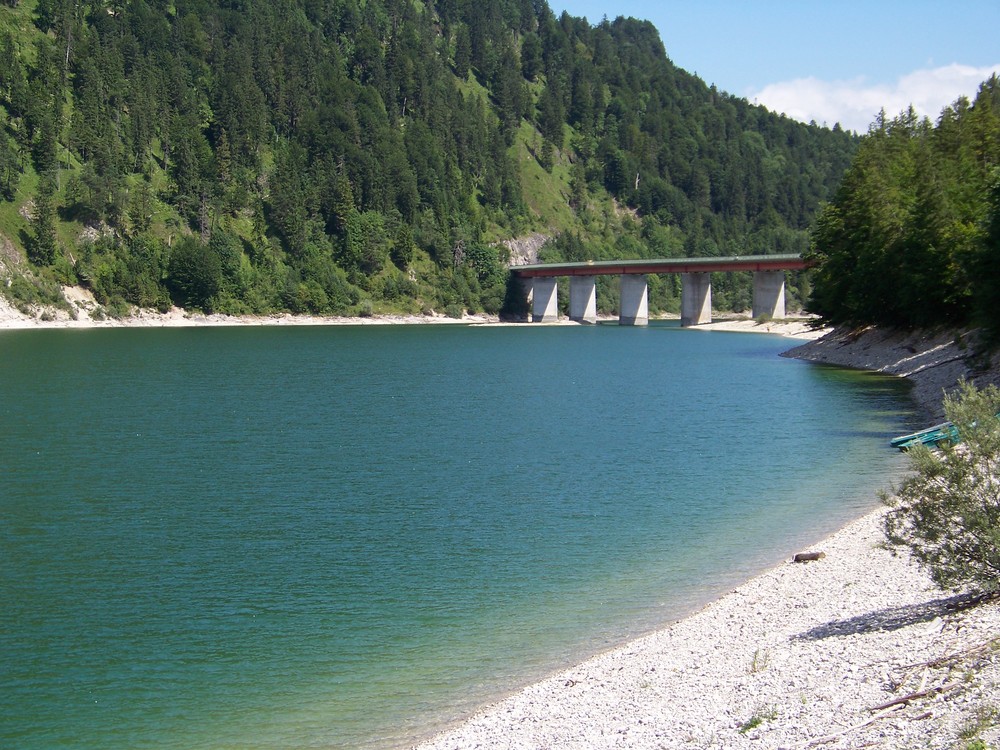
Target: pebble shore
{"points": [[813, 654], [856, 649]]}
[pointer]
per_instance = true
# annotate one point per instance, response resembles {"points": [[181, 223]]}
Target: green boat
{"points": [[936, 436]]}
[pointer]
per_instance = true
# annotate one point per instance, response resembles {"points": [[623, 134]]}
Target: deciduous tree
{"points": [[194, 273], [948, 512]]}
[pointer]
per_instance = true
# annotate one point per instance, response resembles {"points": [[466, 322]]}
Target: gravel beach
{"points": [[810, 654], [855, 649]]}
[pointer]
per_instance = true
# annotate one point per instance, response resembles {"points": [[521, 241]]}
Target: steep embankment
{"points": [[933, 361]]}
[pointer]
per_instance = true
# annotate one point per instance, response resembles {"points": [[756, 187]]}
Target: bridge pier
{"points": [[634, 302], [583, 299], [696, 293], [696, 299], [544, 300], [769, 294]]}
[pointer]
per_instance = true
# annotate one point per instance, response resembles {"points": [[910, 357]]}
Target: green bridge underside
{"points": [[664, 265]]}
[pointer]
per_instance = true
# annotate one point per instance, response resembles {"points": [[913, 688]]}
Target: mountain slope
{"points": [[331, 156]]}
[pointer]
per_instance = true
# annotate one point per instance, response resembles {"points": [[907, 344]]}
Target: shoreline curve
{"points": [[801, 655], [816, 654]]}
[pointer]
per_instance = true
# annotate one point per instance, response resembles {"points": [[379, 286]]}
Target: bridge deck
{"points": [[664, 265]]}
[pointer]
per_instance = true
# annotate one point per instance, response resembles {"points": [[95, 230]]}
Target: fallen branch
{"points": [[914, 696], [941, 661], [837, 735]]}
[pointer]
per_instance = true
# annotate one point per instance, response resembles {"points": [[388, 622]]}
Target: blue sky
{"points": [[825, 61]]}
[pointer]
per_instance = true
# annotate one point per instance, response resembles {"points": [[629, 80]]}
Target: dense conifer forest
{"points": [[366, 156], [912, 237]]}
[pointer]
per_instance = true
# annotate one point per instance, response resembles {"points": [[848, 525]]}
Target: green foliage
{"points": [[985, 718], [761, 716], [352, 137], [42, 241], [910, 238], [948, 511], [403, 247], [131, 271], [986, 263], [485, 261], [28, 292], [514, 305], [531, 56], [394, 287], [366, 248], [10, 167], [194, 273]]}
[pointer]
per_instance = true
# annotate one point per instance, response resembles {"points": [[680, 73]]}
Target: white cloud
{"points": [[855, 103]]}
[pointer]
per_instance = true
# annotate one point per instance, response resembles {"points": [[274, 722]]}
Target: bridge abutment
{"points": [[544, 300], [696, 299], [769, 294], [634, 300], [583, 299]]}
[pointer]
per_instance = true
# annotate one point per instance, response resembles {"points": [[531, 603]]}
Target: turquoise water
{"points": [[348, 536]]}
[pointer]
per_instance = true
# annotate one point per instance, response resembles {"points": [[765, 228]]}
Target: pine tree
{"points": [[10, 167], [987, 263], [43, 246]]}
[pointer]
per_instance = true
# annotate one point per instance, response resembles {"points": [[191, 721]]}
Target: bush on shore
{"points": [[948, 511]]}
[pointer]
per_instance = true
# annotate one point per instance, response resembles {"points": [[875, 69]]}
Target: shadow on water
{"points": [[873, 434]]}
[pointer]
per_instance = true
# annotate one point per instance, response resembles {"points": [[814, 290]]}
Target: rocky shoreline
{"points": [[933, 361], [856, 649], [86, 313]]}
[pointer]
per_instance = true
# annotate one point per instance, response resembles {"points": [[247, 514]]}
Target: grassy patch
{"points": [[546, 194], [761, 716], [985, 718], [27, 293], [761, 659], [18, 20]]}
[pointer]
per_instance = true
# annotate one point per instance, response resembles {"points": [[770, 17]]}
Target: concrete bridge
{"points": [[696, 286]]}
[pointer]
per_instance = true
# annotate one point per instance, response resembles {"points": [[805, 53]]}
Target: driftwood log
{"points": [[808, 556]]}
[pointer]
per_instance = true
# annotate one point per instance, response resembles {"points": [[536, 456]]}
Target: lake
{"points": [[350, 536]]}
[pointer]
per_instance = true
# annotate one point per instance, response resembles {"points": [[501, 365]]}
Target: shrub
{"points": [[194, 273], [26, 292], [948, 511], [118, 308]]}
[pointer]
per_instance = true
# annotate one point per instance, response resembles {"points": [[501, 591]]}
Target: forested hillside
{"points": [[339, 156], [912, 236]]}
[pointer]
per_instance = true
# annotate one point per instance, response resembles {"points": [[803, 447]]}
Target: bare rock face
{"points": [[524, 250], [10, 256]]}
